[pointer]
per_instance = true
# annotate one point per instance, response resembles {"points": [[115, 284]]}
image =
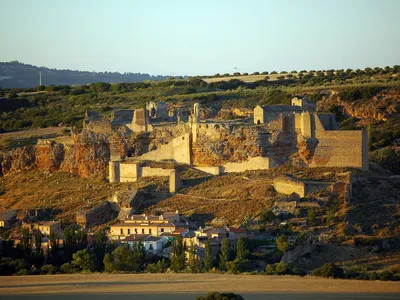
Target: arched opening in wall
{"points": [[258, 122], [216, 126]]}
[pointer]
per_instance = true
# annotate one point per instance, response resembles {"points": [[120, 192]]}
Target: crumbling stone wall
{"points": [[162, 135], [95, 123], [288, 185], [217, 144], [177, 150]]}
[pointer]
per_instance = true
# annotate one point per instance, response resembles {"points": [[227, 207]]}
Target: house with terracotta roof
{"points": [[152, 244], [235, 233], [211, 232]]}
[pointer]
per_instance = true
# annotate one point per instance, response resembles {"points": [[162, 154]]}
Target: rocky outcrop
{"points": [[86, 159], [306, 148], [49, 155], [17, 160], [218, 145], [380, 107]]}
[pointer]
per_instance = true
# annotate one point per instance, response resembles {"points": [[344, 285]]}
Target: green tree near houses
{"points": [[194, 262], [208, 259], [224, 257], [241, 249], [84, 260], [178, 255]]}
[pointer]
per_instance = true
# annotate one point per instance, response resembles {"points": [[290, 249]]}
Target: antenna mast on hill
{"points": [[40, 78]]}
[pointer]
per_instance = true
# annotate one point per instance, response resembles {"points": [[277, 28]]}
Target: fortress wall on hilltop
{"points": [[177, 150], [341, 149]]}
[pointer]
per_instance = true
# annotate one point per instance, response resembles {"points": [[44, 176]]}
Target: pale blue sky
{"points": [[200, 37]]}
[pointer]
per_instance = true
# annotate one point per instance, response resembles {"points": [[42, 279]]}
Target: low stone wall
{"points": [[286, 185], [128, 172], [154, 172], [254, 163], [210, 170]]}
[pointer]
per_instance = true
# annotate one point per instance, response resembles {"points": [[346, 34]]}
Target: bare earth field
{"points": [[192, 284]]}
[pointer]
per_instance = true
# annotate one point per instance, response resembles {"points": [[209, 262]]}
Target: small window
{"points": [[142, 231], [122, 231], [183, 138], [129, 231], [149, 231], [151, 247], [135, 230], [258, 122], [162, 229]]}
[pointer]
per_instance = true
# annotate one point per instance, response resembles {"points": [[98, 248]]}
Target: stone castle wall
{"points": [[341, 149], [177, 150]]}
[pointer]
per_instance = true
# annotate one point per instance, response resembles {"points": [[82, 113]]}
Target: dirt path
{"points": [[179, 283]]}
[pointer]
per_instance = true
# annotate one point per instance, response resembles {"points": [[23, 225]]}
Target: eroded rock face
{"points": [[17, 160], [380, 107], [86, 159], [217, 146], [306, 148], [49, 155]]}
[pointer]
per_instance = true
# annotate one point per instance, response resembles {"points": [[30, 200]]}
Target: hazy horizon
{"points": [[180, 38]]}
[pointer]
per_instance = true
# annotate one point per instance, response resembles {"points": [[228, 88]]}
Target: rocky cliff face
{"points": [[17, 160], [86, 159], [48, 155], [87, 155], [381, 107]]}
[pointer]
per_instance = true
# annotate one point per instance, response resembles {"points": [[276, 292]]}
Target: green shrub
{"points": [[281, 268], [67, 268], [270, 269], [385, 275], [159, 267], [329, 270], [22, 272], [220, 296], [48, 269]]}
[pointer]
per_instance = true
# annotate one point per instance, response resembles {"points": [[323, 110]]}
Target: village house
{"points": [[45, 228], [235, 233], [151, 244], [211, 232], [145, 224], [7, 218]]}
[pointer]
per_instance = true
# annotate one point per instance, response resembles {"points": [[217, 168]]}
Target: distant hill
{"points": [[15, 74]]}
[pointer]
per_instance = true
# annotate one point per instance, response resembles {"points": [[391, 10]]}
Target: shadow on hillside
{"points": [[202, 219], [193, 181]]}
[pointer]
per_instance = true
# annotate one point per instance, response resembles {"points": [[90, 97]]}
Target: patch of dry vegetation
{"points": [[11, 140], [63, 191]]}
